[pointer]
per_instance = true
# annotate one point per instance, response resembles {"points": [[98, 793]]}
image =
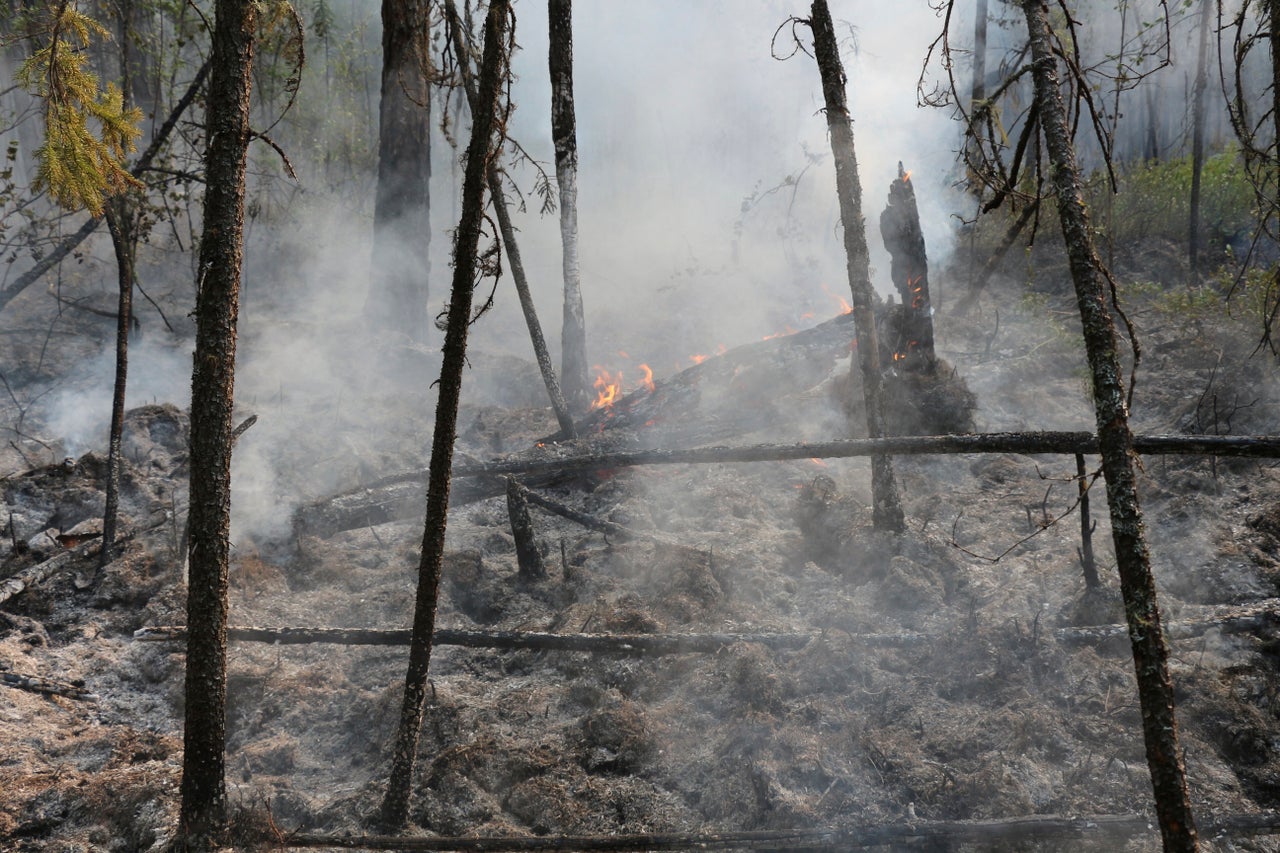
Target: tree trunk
{"points": [[204, 795], [1146, 633], [395, 805], [978, 94], [398, 293], [122, 226], [558, 403], [1197, 138], [887, 508], [574, 378]]}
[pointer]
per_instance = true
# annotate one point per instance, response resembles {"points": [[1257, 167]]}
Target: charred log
{"points": [[1233, 620], [1114, 828], [47, 687], [400, 496]]}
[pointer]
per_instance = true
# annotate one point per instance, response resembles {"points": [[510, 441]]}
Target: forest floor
{"points": [[988, 715]]}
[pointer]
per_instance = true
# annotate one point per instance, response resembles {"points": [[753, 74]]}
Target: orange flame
{"points": [[608, 386], [647, 381]]}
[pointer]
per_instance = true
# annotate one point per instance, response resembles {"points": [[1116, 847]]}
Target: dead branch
{"points": [[600, 525], [36, 684], [1236, 620], [1002, 832]]}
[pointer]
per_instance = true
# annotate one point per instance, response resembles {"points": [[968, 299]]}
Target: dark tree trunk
{"points": [[398, 293], [122, 226], [978, 94], [574, 378], [395, 805], [1146, 633], [909, 269], [204, 795], [1197, 137], [558, 403], [887, 508]]}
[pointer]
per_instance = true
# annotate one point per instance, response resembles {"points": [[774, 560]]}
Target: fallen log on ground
{"points": [[401, 496], [41, 572], [1002, 832], [1235, 620], [46, 687]]}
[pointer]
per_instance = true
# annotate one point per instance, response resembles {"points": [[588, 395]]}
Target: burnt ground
{"points": [[989, 717]]}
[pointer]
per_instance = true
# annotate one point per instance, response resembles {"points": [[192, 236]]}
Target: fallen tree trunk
{"points": [[400, 496], [46, 687], [1236, 620], [1002, 832]]}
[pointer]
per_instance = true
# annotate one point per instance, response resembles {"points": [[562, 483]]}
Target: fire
{"points": [[698, 358], [845, 307], [917, 289], [647, 381], [608, 387], [906, 177]]}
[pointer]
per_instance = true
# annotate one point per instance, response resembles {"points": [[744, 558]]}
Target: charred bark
{"points": [[1112, 829], [395, 805], [1197, 138], [528, 556], [887, 507], [1087, 563], [47, 687], [204, 795], [1137, 585], [400, 496], [398, 293], [122, 225], [1232, 620], [573, 333], [909, 268], [558, 404]]}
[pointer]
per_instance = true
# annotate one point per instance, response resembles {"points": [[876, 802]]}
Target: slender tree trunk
{"points": [[978, 94], [574, 378], [398, 294], [204, 796], [121, 224], [887, 508], [505, 227], [1197, 137], [1137, 585], [395, 805]]}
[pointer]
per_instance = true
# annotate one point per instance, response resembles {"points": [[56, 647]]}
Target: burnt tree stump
{"points": [[910, 329]]}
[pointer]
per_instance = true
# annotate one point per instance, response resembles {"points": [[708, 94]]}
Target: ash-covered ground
{"points": [[988, 716]]}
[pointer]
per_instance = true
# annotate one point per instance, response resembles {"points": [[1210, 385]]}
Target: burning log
{"points": [[528, 554], [911, 338], [1108, 828], [1234, 620], [46, 687]]}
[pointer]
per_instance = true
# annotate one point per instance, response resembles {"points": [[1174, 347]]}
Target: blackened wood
{"points": [[204, 797], [499, 200], [573, 333], [47, 687], [122, 226], [528, 556], [886, 506], [394, 811], [909, 269], [1094, 828], [399, 496], [398, 293], [1087, 562], [1242, 619], [609, 528], [1115, 440]]}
